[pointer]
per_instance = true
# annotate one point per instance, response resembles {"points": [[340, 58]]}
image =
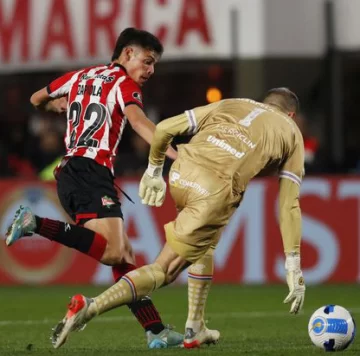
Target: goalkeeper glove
{"points": [[295, 281], [152, 187]]}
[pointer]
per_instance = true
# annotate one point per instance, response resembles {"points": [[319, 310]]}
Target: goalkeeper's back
{"points": [[241, 138]]}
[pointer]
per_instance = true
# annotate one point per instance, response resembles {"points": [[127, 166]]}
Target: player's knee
{"points": [[117, 254], [113, 257]]}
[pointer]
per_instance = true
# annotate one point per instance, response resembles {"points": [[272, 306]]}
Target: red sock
{"points": [[120, 270], [144, 310]]}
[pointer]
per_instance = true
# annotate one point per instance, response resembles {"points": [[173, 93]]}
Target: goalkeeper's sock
{"points": [[133, 286], [73, 236], [199, 281], [144, 310]]}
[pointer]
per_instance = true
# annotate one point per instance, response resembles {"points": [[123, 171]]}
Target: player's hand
{"points": [[58, 105], [152, 187], [295, 281]]}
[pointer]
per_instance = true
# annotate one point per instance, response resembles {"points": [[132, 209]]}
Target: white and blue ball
{"points": [[332, 328]]}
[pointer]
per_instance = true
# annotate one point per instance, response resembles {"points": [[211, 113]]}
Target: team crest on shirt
{"points": [[137, 96], [107, 201]]}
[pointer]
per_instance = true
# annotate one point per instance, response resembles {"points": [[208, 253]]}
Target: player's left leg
{"points": [[131, 288], [200, 276]]}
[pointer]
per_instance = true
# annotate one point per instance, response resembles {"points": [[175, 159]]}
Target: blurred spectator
{"points": [[12, 110], [47, 140], [133, 162], [311, 144], [18, 162], [13, 134]]}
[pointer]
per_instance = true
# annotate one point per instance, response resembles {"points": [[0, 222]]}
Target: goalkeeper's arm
{"points": [[152, 185], [290, 226], [290, 215], [164, 134]]}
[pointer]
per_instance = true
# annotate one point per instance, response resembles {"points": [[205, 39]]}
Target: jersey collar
{"points": [[120, 66]]}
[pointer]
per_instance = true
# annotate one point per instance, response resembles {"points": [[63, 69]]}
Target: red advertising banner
{"points": [[58, 33], [250, 250]]}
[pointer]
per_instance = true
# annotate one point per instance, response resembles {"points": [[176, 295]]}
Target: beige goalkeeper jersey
{"points": [[239, 139]]}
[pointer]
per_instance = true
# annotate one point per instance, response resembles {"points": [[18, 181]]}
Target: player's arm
{"points": [[53, 97], [144, 127], [41, 100], [164, 135], [187, 123], [290, 227], [152, 187], [290, 215]]}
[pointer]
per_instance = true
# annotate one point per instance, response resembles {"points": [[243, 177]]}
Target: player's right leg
{"points": [[158, 335], [81, 185], [86, 192], [131, 288], [89, 242]]}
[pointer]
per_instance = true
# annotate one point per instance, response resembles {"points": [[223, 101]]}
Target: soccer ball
{"points": [[332, 328]]}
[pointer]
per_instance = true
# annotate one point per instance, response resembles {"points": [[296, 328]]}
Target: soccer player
{"points": [[234, 140], [99, 101]]}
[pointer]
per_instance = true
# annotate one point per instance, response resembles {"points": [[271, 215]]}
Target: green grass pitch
{"points": [[252, 321]]}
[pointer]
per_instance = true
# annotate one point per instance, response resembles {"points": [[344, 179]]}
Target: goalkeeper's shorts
{"points": [[205, 204]]}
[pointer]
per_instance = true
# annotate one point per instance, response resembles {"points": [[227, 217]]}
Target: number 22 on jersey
{"points": [[95, 114]]}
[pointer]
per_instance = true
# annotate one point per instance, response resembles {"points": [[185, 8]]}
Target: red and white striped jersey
{"points": [[97, 97]]}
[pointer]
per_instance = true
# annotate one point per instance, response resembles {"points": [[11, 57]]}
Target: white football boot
{"points": [[204, 336]]}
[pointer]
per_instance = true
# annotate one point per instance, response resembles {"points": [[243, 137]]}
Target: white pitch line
{"points": [[115, 319]]}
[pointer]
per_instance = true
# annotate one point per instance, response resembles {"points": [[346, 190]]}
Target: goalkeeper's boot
{"points": [[204, 336], [24, 224], [164, 339], [74, 320]]}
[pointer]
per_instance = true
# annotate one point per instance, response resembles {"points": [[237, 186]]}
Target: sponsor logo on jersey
{"points": [[174, 177], [238, 134], [176, 181], [105, 78], [225, 146], [137, 96]]}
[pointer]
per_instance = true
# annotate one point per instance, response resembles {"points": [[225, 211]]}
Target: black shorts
{"points": [[86, 190]]}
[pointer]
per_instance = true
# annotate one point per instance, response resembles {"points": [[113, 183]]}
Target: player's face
{"points": [[140, 65]]}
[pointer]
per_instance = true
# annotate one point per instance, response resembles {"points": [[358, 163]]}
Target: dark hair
{"points": [[284, 99], [132, 36]]}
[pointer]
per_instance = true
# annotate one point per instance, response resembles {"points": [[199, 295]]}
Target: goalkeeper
{"points": [[234, 140]]}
